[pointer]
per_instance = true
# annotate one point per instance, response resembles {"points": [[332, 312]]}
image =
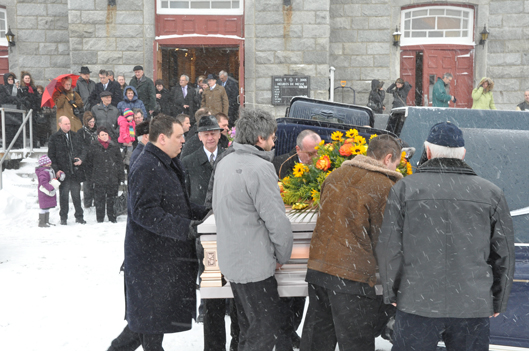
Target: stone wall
{"points": [[506, 51], [360, 47], [285, 39], [41, 29], [111, 37], [59, 36]]}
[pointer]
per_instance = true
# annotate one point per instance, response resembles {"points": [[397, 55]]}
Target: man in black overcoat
{"points": [[199, 166], [193, 143], [66, 153], [160, 257], [183, 99], [232, 90], [105, 84]]}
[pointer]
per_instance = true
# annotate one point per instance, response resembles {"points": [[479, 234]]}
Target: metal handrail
{"points": [[22, 128]]}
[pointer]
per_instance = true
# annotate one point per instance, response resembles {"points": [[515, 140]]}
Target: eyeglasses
{"points": [[274, 138]]}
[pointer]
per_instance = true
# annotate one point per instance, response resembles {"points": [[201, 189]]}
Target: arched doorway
{"points": [[436, 40]]}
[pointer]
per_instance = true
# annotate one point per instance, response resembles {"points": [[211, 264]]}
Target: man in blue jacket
{"points": [[440, 97]]}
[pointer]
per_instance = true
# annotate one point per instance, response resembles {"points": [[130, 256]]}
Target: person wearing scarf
{"points": [[105, 169]]}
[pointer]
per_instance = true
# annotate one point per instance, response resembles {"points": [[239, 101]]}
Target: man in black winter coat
{"points": [[199, 166], [183, 97], [446, 250], [66, 153], [232, 90], [105, 84], [160, 258]]}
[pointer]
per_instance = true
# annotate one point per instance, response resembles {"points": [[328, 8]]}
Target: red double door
{"points": [[422, 67]]}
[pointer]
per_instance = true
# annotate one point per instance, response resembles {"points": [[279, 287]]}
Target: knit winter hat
{"points": [[44, 160], [128, 113]]}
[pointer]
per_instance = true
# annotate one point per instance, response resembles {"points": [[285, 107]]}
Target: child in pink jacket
{"points": [[127, 133]]}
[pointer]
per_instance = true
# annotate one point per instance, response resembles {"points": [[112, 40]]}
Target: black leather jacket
{"points": [[447, 243]]}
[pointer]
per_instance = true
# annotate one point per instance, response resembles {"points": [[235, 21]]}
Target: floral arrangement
{"points": [[302, 189]]}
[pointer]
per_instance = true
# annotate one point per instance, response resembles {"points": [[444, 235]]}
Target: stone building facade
{"points": [[276, 37], [54, 37]]}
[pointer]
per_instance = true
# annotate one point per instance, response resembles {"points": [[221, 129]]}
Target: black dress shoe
{"points": [[80, 220], [63, 222]]}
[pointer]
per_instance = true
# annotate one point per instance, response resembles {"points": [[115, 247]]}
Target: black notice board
{"points": [[285, 88]]}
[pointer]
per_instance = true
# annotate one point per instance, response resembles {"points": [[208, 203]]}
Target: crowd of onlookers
{"points": [[100, 124]]}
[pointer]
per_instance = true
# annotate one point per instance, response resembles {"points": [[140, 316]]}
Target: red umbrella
{"points": [[47, 96]]}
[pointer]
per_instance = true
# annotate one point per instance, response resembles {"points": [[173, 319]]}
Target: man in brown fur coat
{"points": [[343, 306]]}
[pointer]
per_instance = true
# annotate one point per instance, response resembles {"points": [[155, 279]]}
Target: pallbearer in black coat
{"points": [[199, 166], [160, 256]]}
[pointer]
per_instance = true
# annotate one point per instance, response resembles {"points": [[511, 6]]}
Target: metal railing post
{"points": [[3, 129], [21, 128], [24, 139], [30, 121]]}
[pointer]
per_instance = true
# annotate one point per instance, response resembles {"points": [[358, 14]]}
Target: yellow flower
{"points": [[409, 169], [327, 174], [315, 194], [359, 150], [286, 180], [299, 170], [299, 206], [351, 133], [321, 143], [360, 140], [373, 136], [337, 136]]}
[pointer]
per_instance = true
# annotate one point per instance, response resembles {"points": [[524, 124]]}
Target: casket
{"points": [[290, 278]]}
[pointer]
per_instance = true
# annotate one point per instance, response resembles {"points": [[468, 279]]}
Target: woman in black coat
{"points": [[29, 97], [105, 169], [163, 97], [400, 90], [88, 134], [376, 97]]}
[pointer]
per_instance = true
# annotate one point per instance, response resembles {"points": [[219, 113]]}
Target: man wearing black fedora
{"points": [[215, 98], [84, 87], [199, 166], [145, 88]]}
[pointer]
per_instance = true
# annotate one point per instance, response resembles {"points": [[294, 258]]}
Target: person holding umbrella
{"points": [[69, 102]]}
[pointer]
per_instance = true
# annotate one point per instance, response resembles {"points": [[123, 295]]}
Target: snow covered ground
{"points": [[61, 288]]}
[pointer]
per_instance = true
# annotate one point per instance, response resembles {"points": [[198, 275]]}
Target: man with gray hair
{"points": [[183, 99], [524, 106], [254, 235], [440, 98], [446, 250], [232, 90], [304, 152]]}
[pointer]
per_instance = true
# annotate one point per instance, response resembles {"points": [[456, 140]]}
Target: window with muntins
{"points": [[3, 27], [200, 7], [437, 25]]}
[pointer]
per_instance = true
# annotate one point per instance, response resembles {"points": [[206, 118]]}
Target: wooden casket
{"points": [[290, 278]]}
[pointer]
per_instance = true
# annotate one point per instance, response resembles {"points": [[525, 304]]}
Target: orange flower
{"points": [[345, 150], [324, 163]]}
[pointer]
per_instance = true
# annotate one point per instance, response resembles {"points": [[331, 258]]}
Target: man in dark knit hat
{"points": [[446, 250]]}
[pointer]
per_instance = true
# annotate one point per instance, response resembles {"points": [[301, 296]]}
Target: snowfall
{"points": [[61, 286]]}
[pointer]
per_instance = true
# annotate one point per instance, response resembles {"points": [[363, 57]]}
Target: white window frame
{"points": [[436, 40], [232, 12], [3, 39]]}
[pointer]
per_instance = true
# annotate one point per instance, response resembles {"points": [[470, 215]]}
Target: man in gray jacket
{"points": [[107, 115], [446, 250], [254, 236]]}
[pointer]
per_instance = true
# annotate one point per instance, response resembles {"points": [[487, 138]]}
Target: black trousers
{"points": [[70, 185], [215, 325], [105, 194], [296, 306], [413, 332], [130, 341], [88, 193], [333, 317], [262, 315]]}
